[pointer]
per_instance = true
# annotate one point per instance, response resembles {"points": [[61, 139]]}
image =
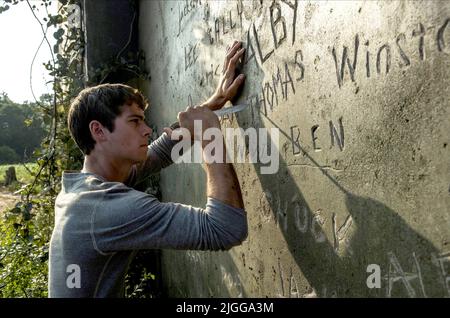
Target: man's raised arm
{"points": [[159, 153]]}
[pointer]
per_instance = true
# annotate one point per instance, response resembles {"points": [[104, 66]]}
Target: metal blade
{"points": [[219, 113], [230, 110]]}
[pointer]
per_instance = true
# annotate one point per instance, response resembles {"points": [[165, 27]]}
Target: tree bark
{"points": [[10, 176]]}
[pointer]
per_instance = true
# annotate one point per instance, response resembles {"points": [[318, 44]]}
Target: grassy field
{"points": [[23, 176], [7, 196]]}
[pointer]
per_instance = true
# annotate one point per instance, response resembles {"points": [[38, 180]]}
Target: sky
{"points": [[20, 36]]}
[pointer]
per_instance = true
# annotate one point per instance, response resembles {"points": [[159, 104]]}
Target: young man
{"points": [[101, 221]]}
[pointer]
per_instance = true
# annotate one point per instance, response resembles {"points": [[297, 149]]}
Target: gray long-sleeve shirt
{"points": [[99, 226]]}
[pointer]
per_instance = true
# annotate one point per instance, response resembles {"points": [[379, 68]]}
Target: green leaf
{"points": [[58, 34], [3, 9], [15, 210]]}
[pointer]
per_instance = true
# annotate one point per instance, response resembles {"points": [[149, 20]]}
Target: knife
{"points": [[220, 112], [230, 110]]}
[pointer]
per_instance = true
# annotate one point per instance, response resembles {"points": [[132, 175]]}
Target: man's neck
{"points": [[108, 169]]}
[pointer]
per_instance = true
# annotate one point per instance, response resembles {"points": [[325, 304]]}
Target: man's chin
{"points": [[138, 161], [141, 160], [142, 157]]}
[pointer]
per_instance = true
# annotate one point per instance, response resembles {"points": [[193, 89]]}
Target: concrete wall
{"points": [[360, 94], [110, 30]]}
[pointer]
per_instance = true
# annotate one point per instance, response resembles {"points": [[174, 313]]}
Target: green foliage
{"points": [[21, 129], [23, 257], [8, 155], [140, 283], [25, 174], [26, 229]]}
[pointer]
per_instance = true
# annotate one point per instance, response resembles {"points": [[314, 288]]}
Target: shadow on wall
{"points": [[220, 277], [409, 267]]}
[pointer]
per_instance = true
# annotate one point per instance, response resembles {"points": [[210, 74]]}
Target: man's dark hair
{"points": [[102, 103]]}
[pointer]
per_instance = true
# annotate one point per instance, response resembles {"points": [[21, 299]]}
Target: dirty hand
{"points": [[229, 83]]}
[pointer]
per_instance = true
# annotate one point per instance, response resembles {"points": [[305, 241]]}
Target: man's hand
{"points": [[202, 113], [229, 83]]}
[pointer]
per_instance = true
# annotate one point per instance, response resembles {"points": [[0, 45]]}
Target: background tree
{"points": [[21, 129]]}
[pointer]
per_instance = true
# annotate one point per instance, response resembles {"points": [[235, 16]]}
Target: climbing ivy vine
{"points": [[26, 229]]}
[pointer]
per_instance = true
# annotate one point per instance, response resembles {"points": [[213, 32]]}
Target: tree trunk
{"points": [[10, 176]]}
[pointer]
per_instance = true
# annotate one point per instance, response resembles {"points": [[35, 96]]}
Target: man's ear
{"points": [[97, 131]]}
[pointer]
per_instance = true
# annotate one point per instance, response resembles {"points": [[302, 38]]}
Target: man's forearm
{"points": [[223, 184]]}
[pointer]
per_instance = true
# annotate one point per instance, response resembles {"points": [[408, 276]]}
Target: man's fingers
{"points": [[232, 90], [230, 54], [237, 56], [233, 51], [233, 61], [236, 42], [167, 130], [229, 47]]}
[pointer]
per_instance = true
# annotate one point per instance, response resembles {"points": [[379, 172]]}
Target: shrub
{"points": [[8, 155], [23, 255]]}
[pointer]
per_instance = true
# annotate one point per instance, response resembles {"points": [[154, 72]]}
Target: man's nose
{"points": [[148, 131]]}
